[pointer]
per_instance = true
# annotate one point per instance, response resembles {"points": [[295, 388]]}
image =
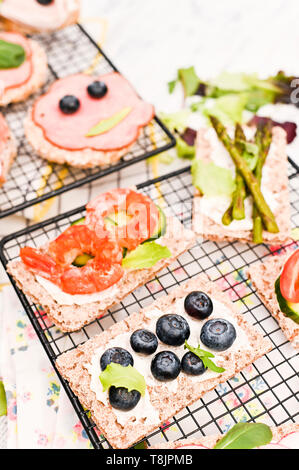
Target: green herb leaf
{"points": [[245, 436], [11, 55], [205, 357], [171, 86], [120, 376], [107, 124], [189, 79], [3, 405], [145, 256], [183, 149], [212, 180], [228, 108]]}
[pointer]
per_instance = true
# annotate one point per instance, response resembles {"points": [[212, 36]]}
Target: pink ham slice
{"points": [[69, 131], [11, 78]]}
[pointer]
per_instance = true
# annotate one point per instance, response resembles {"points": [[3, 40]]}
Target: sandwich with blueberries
{"points": [[140, 372]]}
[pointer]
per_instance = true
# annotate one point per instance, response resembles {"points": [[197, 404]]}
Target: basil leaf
{"points": [[212, 180], [11, 55], [145, 256], [121, 376], [3, 405], [204, 356], [245, 436], [107, 124]]}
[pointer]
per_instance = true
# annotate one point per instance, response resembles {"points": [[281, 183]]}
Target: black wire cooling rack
{"points": [[265, 391], [29, 181]]}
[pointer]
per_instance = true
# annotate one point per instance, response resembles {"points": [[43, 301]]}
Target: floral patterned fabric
{"points": [[39, 413]]}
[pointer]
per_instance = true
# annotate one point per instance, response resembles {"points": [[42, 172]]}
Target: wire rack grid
{"points": [[29, 181], [265, 391]]}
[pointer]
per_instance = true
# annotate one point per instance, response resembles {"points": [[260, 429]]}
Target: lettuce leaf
{"points": [[212, 180], [121, 376], [183, 149], [189, 79], [145, 256], [228, 108], [176, 122]]}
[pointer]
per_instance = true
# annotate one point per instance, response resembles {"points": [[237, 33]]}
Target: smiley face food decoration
{"points": [[23, 67], [87, 121], [39, 15]]}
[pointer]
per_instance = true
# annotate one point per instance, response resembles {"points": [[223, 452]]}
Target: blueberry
{"points": [[218, 334], [165, 366], [44, 2], [192, 364], [117, 355], [199, 305], [172, 329], [122, 399], [69, 104], [97, 89], [144, 341]]}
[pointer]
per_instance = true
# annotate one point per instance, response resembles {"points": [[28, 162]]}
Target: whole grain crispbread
{"points": [[7, 157], [73, 317], [73, 367], [37, 79], [210, 441], [277, 184], [263, 277]]}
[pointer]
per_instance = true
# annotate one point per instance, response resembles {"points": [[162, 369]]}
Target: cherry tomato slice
{"points": [[289, 278], [139, 212]]}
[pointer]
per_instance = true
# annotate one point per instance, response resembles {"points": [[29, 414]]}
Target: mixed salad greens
{"points": [[231, 100]]}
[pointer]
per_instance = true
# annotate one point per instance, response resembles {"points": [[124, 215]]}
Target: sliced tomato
{"points": [[134, 216], [289, 278]]}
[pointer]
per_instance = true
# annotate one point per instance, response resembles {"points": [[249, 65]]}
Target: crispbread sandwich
{"points": [[87, 121], [266, 278], [39, 16], [25, 68], [285, 436], [8, 149], [75, 296], [172, 381], [209, 209]]}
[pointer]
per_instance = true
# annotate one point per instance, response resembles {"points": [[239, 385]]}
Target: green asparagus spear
{"points": [[240, 192], [250, 179], [263, 137], [227, 217]]}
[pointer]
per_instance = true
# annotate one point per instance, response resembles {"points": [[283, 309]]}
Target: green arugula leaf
{"points": [[189, 79], [107, 124], [11, 55], [145, 256], [121, 376], [212, 180], [205, 357], [3, 405], [245, 436]]}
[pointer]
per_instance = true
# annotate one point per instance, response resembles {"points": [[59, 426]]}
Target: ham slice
{"points": [[68, 131], [4, 135], [11, 78]]}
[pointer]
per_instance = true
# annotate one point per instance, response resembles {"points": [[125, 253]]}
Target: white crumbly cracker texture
{"points": [[263, 277], [276, 183], [37, 79], [8, 25], [86, 158], [7, 157], [210, 441], [72, 366], [73, 317]]}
